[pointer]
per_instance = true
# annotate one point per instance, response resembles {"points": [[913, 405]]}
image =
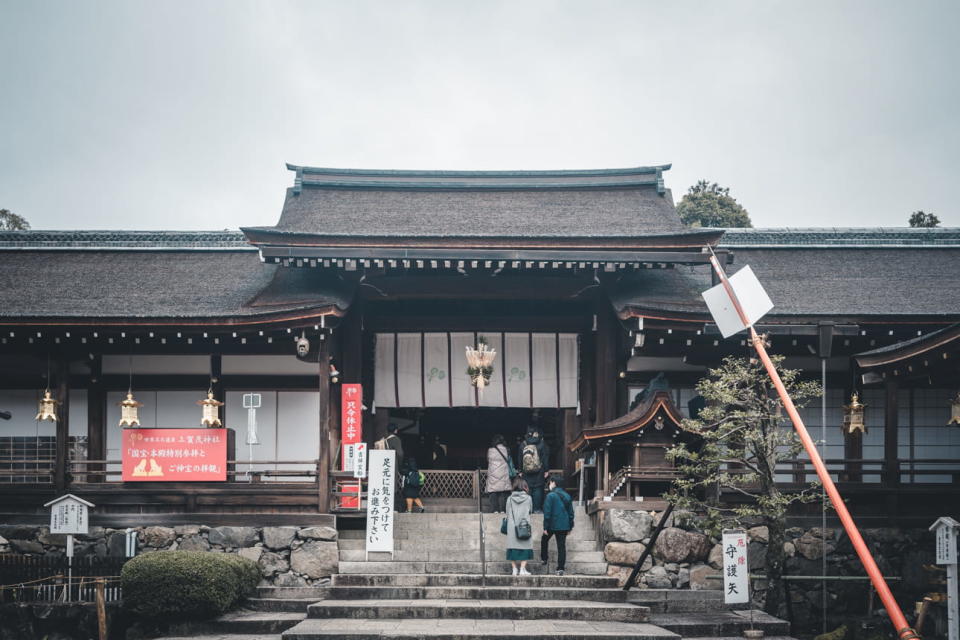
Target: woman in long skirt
{"points": [[519, 508]]}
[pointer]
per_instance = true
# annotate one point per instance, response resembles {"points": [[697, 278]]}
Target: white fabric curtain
{"points": [[430, 370]]}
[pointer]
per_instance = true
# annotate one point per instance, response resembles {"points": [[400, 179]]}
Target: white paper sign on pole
{"points": [[736, 569], [360, 460], [946, 529], [69, 514], [754, 300], [380, 498], [348, 455]]}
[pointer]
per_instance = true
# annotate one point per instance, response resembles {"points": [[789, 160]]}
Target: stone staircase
{"points": [[449, 543]]}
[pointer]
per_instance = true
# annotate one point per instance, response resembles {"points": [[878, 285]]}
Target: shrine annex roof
{"points": [[369, 206]]}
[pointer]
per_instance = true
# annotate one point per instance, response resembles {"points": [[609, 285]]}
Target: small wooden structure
{"points": [[631, 450]]}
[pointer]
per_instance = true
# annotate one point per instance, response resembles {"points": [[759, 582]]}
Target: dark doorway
{"points": [[464, 434]]}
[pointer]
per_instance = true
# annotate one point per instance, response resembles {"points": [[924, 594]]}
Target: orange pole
{"points": [[904, 630]]}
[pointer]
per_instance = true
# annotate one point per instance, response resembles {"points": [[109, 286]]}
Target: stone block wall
{"points": [[287, 556]]}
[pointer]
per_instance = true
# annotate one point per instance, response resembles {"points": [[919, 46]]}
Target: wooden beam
{"points": [[62, 373], [323, 454], [96, 417], [891, 466]]}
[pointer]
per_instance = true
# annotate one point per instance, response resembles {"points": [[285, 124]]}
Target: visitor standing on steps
{"points": [[519, 538], [557, 522], [500, 474], [534, 463], [412, 481]]}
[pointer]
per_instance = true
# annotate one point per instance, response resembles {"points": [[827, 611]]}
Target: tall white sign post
{"points": [[381, 487], [946, 529], [736, 569], [69, 515]]}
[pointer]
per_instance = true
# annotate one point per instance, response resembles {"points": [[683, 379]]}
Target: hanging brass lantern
{"points": [[211, 411], [48, 407], [955, 411], [129, 411], [853, 415]]}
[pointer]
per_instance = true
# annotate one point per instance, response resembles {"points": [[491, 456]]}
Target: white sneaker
{"points": [[524, 572], [515, 571]]}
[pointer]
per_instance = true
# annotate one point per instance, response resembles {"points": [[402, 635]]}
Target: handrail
{"points": [[648, 549], [483, 537]]}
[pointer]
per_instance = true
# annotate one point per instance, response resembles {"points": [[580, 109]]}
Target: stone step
{"points": [[280, 604], [479, 610], [458, 580], [456, 555], [240, 622], [511, 592], [472, 629], [503, 568], [354, 544], [719, 623], [317, 593], [678, 600]]}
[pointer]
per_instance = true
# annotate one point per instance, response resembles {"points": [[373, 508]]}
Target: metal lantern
{"points": [[211, 411], [129, 411], [853, 415], [47, 409], [955, 411]]}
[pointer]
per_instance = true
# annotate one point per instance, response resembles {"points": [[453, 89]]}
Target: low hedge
{"points": [[186, 584]]}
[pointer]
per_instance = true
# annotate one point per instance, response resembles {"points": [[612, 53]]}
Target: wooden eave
{"points": [[945, 341], [635, 420]]}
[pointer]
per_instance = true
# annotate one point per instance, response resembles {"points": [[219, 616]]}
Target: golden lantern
{"points": [[955, 411], [211, 411], [47, 409], [853, 415], [480, 364], [129, 411]]}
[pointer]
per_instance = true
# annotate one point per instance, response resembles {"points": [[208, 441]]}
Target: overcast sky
{"points": [[181, 115]]}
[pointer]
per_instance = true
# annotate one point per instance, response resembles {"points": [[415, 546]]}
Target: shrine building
{"points": [[585, 284]]}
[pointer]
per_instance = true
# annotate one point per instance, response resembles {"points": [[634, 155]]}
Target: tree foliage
{"points": [[9, 221], [921, 219], [708, 204], [744, 435]]}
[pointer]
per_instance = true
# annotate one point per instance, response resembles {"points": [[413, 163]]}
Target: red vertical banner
{"points": [[351, 432]]}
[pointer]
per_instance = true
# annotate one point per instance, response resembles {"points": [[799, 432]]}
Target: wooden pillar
{"points": [[60, 469], [323, 455], [891, 457], [853, 450], [96, 421], [570, 427], [606, 470], [587, 375], [605, 362], [216, 385], [598, 472]]}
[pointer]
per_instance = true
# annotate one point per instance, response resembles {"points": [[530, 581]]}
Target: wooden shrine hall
{"points": [[585, 284]]}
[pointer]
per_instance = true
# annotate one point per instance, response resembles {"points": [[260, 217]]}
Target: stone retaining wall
{"points": [[287, 556]]}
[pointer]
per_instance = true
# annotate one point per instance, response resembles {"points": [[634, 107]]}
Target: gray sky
{"points": [[181, 115]]}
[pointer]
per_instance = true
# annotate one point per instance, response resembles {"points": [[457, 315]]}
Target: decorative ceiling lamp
{"points": [[853, 416], [480, 363], [129, 407], [211, 410], [47, 409], [955, 410], [129, 411]]}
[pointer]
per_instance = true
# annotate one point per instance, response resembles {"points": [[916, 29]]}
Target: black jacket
{"points": [[543, 451]]}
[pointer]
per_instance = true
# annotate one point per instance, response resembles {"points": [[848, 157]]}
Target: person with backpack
{"points": [[534, 462], [557, 522], [500, 474], [412, 481], [391, 441], [517, 527]]}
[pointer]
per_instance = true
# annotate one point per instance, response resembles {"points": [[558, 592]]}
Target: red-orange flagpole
{"points": [[904, 630]]}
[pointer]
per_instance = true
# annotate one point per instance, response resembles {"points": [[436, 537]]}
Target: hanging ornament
{"points": [[211, 410], [955, 411], [853, 416], [48, 408], [129, 411], [480, 363]]}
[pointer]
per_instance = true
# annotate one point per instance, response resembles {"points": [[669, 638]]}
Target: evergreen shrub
{"points": [[181, 585]]}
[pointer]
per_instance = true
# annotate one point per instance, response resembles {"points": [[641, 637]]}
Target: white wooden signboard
{"points": [[754, 300], [360, 460], [69, 514], [946, 530], [736, 569], [380, 497]]}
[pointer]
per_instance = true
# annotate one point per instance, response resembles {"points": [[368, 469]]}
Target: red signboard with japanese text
{"points": [[174, 455], [351, 432]]}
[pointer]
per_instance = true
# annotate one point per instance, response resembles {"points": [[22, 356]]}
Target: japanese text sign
{"points": [[351, 413], [360, 460], [380, 497], [174, 455], [736, 569], [69, 514], [946, 540]]}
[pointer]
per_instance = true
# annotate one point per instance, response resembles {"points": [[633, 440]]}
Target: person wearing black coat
{"points": [[535, 479]]}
